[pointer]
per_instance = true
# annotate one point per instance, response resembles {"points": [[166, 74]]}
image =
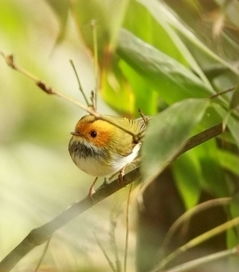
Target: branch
{"points": [[40, 235], [9, 59]]}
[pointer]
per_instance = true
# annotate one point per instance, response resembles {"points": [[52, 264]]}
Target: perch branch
{"points": [[40, 235]]}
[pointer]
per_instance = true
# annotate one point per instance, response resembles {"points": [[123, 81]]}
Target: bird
{"points": [[101, 149]]}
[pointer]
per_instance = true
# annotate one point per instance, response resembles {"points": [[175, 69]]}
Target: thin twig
{"points": [[95, 48], [79, 84], [44, 87], [192, 212], [43, 233], [204, 260], [43, 255], [222, 92], [127, 229], [92, 98], [198, 240], [145, 118], [110, 263]]}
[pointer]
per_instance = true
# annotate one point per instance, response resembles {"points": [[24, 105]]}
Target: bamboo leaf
{"points": [[162, 12], [167, 134], [187, 174], [173, 80]]}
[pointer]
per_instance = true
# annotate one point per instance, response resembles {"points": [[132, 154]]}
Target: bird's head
{"points": [[95, 132]]}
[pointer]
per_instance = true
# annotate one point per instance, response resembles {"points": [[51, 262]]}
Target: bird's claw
{"points": [[92, 189]]}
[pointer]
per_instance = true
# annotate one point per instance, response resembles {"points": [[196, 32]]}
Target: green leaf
{"points": [[168, 133], [159, 33], [214, 178], [151, 31], [145, 98], [173, 80], [229, 161], [117, 92], [188, 176]]}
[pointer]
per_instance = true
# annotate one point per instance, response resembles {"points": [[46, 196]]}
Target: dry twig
{"points": [[49, 90]]}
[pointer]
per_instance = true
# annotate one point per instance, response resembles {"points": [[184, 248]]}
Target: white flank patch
{"points": [[120, 161]]}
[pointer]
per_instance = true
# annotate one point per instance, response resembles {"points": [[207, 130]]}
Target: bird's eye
{"points": [[93, 133]]}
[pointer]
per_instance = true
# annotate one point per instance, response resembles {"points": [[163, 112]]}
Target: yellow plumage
{"points": [[100, 148]]}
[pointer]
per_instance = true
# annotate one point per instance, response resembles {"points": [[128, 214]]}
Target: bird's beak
{"points": [[75, 133]]}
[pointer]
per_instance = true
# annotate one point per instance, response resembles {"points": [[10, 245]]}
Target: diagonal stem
{"points": [[188, 266]]}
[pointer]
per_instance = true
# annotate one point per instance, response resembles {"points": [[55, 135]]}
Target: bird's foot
{"points": [[92, 189]]}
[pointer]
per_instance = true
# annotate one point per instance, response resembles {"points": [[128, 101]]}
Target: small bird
{"points": [[99, 148]]}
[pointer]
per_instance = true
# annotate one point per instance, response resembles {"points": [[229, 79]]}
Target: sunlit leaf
{"points": [[145, 98], [173, 80], [117, 92], [159, 33], [168, 133], [151, 31]]}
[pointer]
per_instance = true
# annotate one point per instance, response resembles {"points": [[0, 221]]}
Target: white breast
{"points": [[96, 168]]}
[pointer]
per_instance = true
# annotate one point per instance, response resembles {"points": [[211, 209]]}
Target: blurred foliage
{"points": [[153, 55]]}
